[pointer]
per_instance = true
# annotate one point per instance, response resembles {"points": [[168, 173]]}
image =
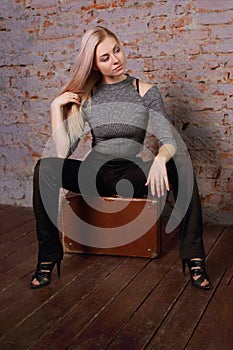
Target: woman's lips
{"points": [[118, 67]]}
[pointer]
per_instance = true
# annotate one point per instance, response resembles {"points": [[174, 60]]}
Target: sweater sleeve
{"points": [[158, 124]]}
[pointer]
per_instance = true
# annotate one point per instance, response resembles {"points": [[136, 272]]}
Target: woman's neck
{"points": [[113, 80]]}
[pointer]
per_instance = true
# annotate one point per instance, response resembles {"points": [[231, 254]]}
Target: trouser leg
{"points": [[189, 206], [50, 175], [188, 201]]}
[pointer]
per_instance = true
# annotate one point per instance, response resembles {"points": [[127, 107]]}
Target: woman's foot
{"points": [[198, 275], [42, 276]]}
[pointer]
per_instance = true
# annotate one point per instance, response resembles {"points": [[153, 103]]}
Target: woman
{"points": [[116, 106]]}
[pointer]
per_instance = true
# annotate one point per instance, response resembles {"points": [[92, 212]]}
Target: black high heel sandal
{"points": [[197, 268], [43, 274]]}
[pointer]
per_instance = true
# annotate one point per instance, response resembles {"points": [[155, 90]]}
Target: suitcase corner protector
{"points": [[155, 255]]}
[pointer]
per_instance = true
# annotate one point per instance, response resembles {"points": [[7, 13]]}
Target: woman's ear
{"points": [[94, 64], [94, 67]]}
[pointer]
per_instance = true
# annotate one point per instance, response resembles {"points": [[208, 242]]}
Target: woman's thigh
{"points": [[83, 177], [80, 176], [136, 175], [70, 170]]}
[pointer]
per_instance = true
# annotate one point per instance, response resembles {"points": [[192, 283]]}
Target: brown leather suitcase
{"points": [[110, 225]]}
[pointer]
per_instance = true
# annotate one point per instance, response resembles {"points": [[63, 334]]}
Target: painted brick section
{"points": [[184, 46]]}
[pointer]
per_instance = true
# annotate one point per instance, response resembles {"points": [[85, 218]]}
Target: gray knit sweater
{"points": [[119, 118]]}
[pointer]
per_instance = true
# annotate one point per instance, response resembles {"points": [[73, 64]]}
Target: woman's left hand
{"points": [[157, 177]]}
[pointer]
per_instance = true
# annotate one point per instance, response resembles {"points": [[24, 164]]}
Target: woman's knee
{"points": [[47, 166]]}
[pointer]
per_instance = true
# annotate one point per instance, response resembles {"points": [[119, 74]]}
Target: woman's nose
{"points": [[115, 59]]}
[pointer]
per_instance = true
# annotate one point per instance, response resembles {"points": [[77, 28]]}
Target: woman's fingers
{"points": [[152, 183], [76, 97], [166, 182], [66, 97], [158, 182], [160, 187]]}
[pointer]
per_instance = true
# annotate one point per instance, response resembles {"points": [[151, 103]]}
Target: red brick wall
{"points": [[184, 46]]}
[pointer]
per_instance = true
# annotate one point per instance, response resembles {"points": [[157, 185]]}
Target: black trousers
{"points": [[101, 175]]}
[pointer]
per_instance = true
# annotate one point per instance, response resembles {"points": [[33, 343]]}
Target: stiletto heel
{"points": [[58, 268], [43, 273], [197, 269], [183, 266]]}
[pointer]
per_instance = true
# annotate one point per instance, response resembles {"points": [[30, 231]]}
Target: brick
{"points": [[224, 32], [215, 199], [220, 89], [21, 153], [226, 159], [200, 74], [41, 4], [13, 188], [229, 103], [73, 5], [5, 139], [207, 18], [214, 5], [192, 34], [228, 59], [220, 46], [60, 33], [163, 9]]}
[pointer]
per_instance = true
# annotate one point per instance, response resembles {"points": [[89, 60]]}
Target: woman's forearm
{"points": [[59, 133]]}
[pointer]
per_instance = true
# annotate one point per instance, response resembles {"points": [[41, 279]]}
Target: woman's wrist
{"points": [[161, 157], [55, 106], [166, 152]]}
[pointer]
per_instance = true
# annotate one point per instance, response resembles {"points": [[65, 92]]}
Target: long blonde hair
{"points": [[84, 78]]}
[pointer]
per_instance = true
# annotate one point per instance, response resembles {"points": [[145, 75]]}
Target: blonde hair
{"points": [[83, 79]]}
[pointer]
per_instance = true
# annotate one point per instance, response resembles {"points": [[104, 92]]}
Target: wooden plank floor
{"points": [[116, 303]]}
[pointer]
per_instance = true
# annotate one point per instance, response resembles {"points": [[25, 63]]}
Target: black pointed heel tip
{"points": [[43, 274]]}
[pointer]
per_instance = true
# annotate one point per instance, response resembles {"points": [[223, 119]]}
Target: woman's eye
{"points": [[104, 59], [117, 49]]}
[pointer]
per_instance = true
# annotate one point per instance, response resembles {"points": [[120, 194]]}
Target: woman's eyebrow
{"points": [[105, 54]]}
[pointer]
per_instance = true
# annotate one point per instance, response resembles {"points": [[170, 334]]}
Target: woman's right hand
{"points": [[65, 98]]}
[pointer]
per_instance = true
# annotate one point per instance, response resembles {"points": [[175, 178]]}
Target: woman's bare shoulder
{"points": [[144, 87]]}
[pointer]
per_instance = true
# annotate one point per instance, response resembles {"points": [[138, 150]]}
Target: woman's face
{"points": [[110, 59]]}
